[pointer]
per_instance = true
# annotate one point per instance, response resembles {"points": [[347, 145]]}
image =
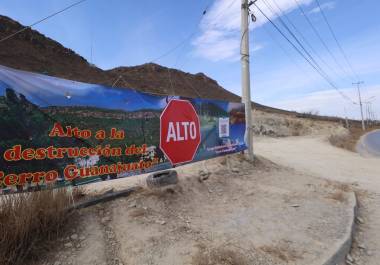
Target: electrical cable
{"points": [[184, 41], [182, 76], [283, 14], [285, 51], [303, 55], [321, 71], [297, 40], [315, 31], [336, 40], [42, 20]]}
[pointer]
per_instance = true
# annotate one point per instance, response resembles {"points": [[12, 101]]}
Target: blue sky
{"points": [[128, 33]]}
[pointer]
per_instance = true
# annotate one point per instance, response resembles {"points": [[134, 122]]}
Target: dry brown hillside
{"points": [[32, 51]]}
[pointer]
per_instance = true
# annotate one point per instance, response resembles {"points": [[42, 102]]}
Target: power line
{"points": [[283, 49], [222, 11], [42, 20], [305, 40], [336, 40], [178, 45], [320, 37], [171, 50], [217, 16], [311, 58], [182, 76], [303, 55], [174, 48], [294, 37], [182, 42]]}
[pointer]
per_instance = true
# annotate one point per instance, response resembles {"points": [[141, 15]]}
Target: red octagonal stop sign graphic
{"points": [[180, 133]]}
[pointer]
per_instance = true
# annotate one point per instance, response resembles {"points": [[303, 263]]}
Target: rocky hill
{"points": [[32, 51]]}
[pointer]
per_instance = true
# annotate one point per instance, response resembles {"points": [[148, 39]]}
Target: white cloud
{"points": [[330, 102], [220, 28], [224, 48], [324, 6], [257, 47], [284, 79]]}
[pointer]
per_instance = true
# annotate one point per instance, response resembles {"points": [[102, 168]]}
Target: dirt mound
{"points": [[223, 211]]}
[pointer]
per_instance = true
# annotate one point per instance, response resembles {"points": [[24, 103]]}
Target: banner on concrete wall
{"points": [[56, 132]]}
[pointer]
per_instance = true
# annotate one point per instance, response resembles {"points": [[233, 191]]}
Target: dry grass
{"points": [[296, 127], [28, 221], [345, 141], [137, 213], [219, 256], [337, 196], [344, 187], [223, 161], [281, 252]]}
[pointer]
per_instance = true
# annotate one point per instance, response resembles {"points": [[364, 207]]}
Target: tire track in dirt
{"points": [[112, 245]]}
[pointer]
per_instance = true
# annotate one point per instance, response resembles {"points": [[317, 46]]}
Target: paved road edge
{"points": [[338, 252]]}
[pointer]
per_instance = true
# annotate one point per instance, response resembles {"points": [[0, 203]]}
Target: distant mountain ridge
{"points": [[86, 112], [32, 51]]}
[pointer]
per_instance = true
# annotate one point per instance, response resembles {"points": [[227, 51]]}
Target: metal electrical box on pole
{"points": [[245, 76]]}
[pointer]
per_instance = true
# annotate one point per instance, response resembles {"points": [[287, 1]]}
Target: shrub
{"points": [[28, 221], [342, 141]]}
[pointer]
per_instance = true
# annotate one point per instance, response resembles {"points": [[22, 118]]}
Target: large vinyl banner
{"points": [[56, 132]]}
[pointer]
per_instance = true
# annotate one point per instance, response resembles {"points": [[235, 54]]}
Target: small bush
{"points": [[220, 256], [27, 221], [282, 251], [342, 141], [296, 127]]}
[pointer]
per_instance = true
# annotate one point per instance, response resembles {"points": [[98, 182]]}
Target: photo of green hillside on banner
{"points": [[73, 133]]}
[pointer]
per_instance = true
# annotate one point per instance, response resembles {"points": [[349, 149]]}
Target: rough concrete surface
{"points": [[341, 248], [315, 156]]}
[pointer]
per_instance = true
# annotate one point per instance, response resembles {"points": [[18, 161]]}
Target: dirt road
{"points": [[315, 156]]}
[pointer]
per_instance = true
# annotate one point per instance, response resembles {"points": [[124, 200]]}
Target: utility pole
{"points": [[368, 115], [360, 102], [245, 76]]}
